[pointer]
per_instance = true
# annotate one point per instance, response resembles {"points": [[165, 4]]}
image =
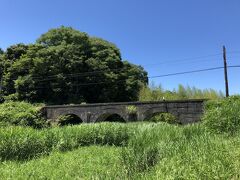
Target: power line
{"points": [[186, 72], [123, 68], [152, 77], [119, 70], [194, 71], [90, 73]]}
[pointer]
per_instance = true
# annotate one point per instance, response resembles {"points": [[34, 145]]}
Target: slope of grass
{"points": [[91, 162]]}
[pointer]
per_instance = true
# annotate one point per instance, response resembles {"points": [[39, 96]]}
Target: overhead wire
{"points": [[119, 70], [82, 74], [159, 76]]}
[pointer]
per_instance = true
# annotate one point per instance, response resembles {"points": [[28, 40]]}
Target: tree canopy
{"points": [[69, 66]]}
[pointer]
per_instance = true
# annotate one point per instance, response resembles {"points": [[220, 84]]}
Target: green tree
{"points": [[9, 57], [68, 66]]}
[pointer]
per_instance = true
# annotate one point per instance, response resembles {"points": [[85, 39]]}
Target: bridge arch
{"points": [[110, 117], [69, 119], [151, 113]]}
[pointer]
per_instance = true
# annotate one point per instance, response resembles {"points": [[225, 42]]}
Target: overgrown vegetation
{"points": [[158, 93], [21, 143], [138, 150], [69, 119], [22, 114], [131, 109], [167, 152], [149, 151], [93, 162], [163, 117], [223, 116]]}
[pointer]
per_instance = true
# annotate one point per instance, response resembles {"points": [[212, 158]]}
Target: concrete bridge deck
{"points": [[186, 111]]}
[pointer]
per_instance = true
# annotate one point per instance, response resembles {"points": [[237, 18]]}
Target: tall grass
{"points": [[172, 152], [19, 143], [149, 150], [92, 162]]}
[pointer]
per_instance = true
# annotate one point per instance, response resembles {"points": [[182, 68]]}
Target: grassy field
{"points": [[145, 151], [91, 162]]}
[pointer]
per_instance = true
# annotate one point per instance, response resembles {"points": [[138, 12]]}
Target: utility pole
{"points": [[225, 71]]}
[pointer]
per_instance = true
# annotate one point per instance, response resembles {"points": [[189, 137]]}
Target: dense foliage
{"points": [[21, 114], [223, 116], [154, 93], [69, 66]]}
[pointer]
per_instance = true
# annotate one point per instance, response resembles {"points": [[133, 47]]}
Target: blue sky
{"points": [[160, 35]]}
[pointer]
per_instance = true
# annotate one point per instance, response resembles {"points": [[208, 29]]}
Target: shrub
{"points": [[223, 116], [132, 112], [163, 117], [131, 109], [69, 119], [21, 113]]}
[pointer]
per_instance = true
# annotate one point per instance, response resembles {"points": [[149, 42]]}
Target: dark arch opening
{"points": [[161, 117], [111, 118], [69, 119]]}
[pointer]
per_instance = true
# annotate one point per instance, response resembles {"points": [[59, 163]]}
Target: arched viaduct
{"points": [[186, 111]]}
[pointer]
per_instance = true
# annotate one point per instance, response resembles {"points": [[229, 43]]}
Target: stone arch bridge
{"points": [[186, 111]]}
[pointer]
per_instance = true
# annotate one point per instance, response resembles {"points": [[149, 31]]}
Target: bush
{"points": [[21, 113], [69, 119], [163, 117], [223, 116], [131, 109]]}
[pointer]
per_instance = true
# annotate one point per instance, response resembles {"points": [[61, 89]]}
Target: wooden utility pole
{"points": [[225, 71]]}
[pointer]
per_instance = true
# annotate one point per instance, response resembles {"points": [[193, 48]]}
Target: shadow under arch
{"points": [[69, 119], [111, 117]]}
